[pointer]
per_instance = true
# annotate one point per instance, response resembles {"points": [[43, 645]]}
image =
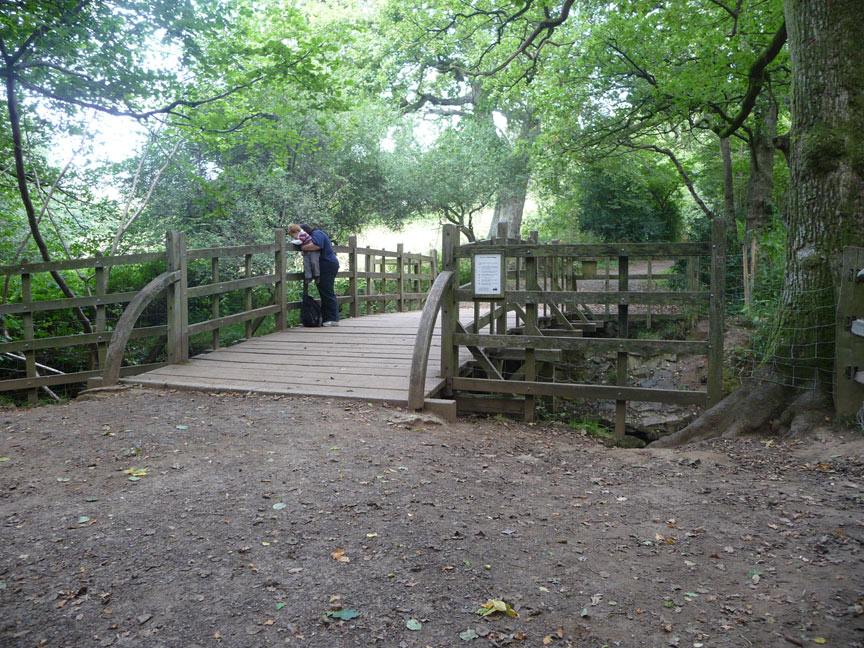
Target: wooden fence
{"points": [[540, 290], [377, 280]]}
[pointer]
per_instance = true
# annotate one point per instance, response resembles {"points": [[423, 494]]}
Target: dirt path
{"points": [[235, 534]]}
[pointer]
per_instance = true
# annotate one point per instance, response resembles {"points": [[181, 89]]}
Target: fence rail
{"points": [[542, 289], [377, 280]]}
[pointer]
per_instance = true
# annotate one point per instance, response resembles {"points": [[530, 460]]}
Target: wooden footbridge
{"points": [[410, 331]]}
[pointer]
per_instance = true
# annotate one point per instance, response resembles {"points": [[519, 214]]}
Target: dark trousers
{"points": [[329, 305]]}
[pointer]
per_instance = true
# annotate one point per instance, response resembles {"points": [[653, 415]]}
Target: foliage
{"points": [[621, 201], [458, 176]]}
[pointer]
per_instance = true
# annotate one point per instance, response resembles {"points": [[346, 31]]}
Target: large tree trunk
{"points": [[728, 185], [510, 204], [826, 196], [826, 213]]}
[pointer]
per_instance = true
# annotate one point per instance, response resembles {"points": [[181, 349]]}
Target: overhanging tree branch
{"points": [[681, 170], [543, 26], [756, 77]]}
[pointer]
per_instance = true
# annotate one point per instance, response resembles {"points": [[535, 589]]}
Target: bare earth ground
{"points": [[729, 543]]}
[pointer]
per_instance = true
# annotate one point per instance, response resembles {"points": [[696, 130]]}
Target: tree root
{"points": [[757, 406]]}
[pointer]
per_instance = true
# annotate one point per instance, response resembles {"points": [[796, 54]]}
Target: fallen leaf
{"points": [[83, 519], [413, 624], [182, 427], [496, 605], [468, 635], [339, 555], [819, 640], [2, 459], [278, 506], [280, 605], [345, 615]]}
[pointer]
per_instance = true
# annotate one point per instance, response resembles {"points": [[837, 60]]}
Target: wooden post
{"points": [[433, 265], [716, 311], [418, 284], [214, 307], [621, 369], [849, 354], [370, 283], [353, 309], [692, 274], [650, 288], [400, 272], [754, 255], [178, 304], [518, 264], [531, 328], [279, 265], [449, 309], [27, 319], [101, 290], [247, 272], [554, 263], [502, 318], [607, 260], [383, 302]]}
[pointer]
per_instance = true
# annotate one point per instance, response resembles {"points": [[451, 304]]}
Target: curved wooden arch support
{"points": [[423, 340], [120, 336]]}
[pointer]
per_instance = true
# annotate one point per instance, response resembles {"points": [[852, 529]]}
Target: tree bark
{"points": [[826, 196], [728, 185], [760, 184], [510, 205]]}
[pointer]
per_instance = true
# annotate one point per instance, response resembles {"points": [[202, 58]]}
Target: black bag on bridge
{"points": [[310, 309]]}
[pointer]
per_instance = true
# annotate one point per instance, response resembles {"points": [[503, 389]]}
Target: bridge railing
{"points": [[255, 276]]}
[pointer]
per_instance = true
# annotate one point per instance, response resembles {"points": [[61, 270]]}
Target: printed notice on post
{"points": [[487, 275]]}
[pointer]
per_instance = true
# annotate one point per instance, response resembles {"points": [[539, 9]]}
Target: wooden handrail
{"points": [[120, 336], [423, 340]]}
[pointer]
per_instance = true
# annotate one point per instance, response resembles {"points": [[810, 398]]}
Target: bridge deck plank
{"points": [[365, 358]]}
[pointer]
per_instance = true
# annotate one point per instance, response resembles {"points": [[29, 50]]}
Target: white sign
{"points": [[487, 275]]}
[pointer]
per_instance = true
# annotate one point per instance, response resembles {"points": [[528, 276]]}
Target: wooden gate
{"points": [[537, 304]]}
